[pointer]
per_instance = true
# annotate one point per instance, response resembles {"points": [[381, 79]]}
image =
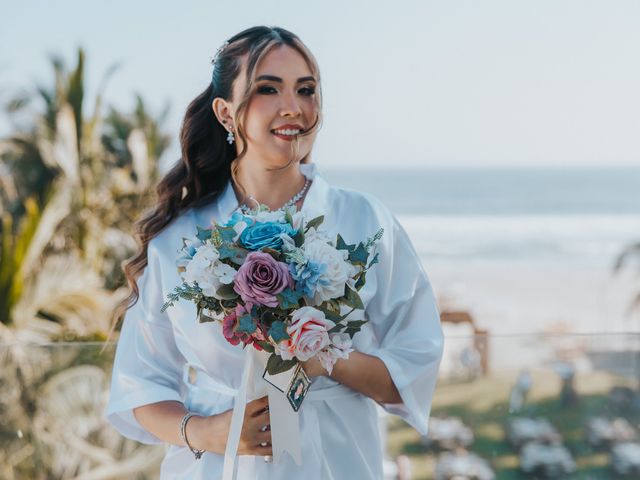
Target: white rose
{"points": [[197, 269], [338, 272], [340, 348], [309, 332], [208, 272]]}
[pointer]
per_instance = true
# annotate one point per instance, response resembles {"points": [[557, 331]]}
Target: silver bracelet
{"points": [[183, 434]]}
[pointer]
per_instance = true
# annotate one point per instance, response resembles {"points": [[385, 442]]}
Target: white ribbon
{"points": [[285, 426]]}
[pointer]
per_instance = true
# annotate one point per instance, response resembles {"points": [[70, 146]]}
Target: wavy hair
{"points": [[207, 160]]}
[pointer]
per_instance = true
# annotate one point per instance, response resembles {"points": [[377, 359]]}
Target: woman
{"points": [[247, 139]]}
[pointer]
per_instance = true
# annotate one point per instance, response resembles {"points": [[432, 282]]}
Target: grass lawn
{"points": [[483, 405]]}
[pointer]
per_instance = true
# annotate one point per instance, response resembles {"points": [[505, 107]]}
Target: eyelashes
{"points": [[266, 90]]}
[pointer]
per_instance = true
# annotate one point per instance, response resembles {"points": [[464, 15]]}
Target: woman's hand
{"points": [[211, 433], [313, 368]]}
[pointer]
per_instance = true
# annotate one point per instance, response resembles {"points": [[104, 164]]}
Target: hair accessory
{"points": [[183, 435], [218, 52]]}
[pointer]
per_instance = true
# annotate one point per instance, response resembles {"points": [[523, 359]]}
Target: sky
{"points": [[405, 83]]}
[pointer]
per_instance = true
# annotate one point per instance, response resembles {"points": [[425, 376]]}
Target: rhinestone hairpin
{"points": [[218, 52]]}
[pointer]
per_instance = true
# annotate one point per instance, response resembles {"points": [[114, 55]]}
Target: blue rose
{"points": [[265, 235]]}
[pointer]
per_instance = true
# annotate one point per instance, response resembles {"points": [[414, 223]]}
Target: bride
{"points": [[247, 139]]}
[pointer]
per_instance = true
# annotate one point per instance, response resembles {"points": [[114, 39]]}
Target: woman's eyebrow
{"points": [[273, 78]]}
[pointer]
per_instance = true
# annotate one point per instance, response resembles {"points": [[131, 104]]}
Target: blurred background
{"points": [[503, 135]]}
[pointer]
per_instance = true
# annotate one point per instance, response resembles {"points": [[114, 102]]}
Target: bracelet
{"points": [[183, 434]]}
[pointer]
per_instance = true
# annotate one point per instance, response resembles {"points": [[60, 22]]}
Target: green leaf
{"points": [[226, 292], [288, 298], [288, 218], [314, 223], [202, 318], [246, 324], [342, 245], [227, 234], [276, 364], [338, 327], [352, 299], [359, 255], [298, 238], [362, 279], [273, 252], [203, 233], [278, 331], [353, 327], [328, 313], [267, 346]]}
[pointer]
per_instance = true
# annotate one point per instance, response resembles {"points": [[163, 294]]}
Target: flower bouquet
{"points": [[279, 284]]}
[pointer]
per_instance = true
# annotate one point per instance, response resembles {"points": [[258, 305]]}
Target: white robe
{"points": [[340, 437]]}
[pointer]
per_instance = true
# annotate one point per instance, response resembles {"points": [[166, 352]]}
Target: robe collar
{"points": [[314, 202]]}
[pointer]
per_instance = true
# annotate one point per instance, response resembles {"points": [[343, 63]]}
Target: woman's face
{"points": [[284, 96]]}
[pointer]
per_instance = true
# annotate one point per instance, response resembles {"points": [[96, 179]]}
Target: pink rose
{"points": [[229, 324], [308, 332], [260, 279]]}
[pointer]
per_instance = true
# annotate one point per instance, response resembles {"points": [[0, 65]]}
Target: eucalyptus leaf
{"points": [[314, 223]]}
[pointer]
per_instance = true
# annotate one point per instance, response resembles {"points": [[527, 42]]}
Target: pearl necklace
{"points": [[292, 201]]}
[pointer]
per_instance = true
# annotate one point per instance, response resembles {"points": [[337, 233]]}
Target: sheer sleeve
{"points": [[406, 321], [148, 366]]}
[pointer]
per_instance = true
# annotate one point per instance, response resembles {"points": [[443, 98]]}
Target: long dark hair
{"points": [[208, 161]]}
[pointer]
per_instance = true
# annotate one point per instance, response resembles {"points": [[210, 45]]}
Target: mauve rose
{"points": [[260, 279]]}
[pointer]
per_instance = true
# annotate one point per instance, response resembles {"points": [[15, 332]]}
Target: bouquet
{"points": [[277, 283]]}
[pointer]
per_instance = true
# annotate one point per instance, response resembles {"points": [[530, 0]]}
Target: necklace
{"points": [[292, 201]]}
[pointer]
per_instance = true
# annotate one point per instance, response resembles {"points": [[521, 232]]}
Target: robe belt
{"points": [[203, 380], [285, 427]]}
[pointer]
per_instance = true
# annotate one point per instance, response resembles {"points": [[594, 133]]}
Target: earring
{"points": [[230, 137]]}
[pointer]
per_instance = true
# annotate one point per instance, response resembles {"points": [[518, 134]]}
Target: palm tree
{"points": [[88, 176]]}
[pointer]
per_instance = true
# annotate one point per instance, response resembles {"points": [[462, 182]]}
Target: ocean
{"points": [[522, 249]]}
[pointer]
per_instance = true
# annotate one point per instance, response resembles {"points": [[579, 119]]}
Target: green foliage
{"points": [[246, 324], [192, 293], [13, 248], [314, 223], [289, 298], [276, 364], [278, 331]]}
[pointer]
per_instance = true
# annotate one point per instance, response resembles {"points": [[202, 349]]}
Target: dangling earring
{"points": [[230, 137]]}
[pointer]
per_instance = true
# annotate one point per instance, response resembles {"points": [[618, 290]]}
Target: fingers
{"points": [[256, 434], [257, 406]]}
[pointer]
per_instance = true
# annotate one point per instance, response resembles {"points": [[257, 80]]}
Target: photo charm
{"points": [[294, 383]]}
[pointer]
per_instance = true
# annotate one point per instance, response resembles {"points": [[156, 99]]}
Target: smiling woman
{"points": [[248, 138]]}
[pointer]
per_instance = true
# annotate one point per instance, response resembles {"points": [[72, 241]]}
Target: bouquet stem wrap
{"points": [[285, 427]]}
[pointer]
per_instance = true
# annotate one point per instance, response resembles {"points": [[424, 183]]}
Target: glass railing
{"points": [[506, 407]]}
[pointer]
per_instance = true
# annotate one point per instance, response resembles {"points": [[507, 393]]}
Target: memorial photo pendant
{"points": [[294, 383]]}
